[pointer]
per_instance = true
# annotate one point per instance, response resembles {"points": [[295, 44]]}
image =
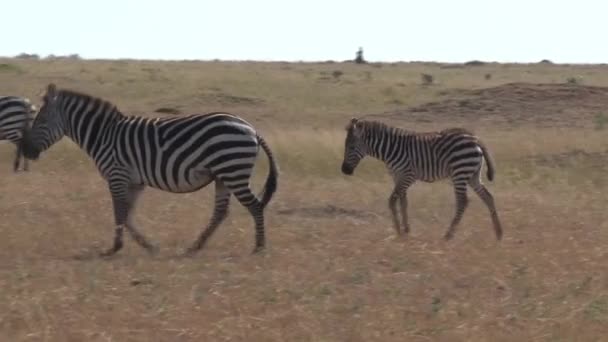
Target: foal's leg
{"points": [[400, 193], [460, 190], [488, 199]]}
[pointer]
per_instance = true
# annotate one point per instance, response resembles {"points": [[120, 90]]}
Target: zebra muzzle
{"points": [[347, 169]]}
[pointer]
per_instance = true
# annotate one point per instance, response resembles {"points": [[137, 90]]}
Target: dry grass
{"points": [[333, 270]]}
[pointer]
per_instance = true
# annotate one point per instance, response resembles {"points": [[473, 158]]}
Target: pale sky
{"points": [[310, 30]]}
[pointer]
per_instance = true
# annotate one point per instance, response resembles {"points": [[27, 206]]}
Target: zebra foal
{"points": [[453, 153], [179, 154], [16, 114]]}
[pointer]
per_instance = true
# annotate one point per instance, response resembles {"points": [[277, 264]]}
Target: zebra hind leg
{"points": [[220, 212], [251, 202], [488, 199], [460, 190]]}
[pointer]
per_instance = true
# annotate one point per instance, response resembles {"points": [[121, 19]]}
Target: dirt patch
{"points": [[572, 158], [228, 99], [546, 105], [168, 110], [326, 211]]}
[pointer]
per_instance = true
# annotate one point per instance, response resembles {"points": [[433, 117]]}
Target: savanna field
{"points": [[333, 269]]}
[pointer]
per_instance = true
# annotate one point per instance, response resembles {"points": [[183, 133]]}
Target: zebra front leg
{"points": [[400, 193], [220, 211], [18, 157], [123, 197], [117, 245], [392, 205], [460, 190], [134, 193], [404, 218]]}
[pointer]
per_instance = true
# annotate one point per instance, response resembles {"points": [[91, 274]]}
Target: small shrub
{"points": [[336, 74], [427, 79], [24, 55], [545, 61], [600, 120], [488, 77], [573, 80]]}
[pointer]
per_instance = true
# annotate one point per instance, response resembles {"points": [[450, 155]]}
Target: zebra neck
{"points": [[90, 130], [383, 146]]}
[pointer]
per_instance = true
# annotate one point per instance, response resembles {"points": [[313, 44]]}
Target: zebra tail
{"points": [[271, 181], [489, 160]]}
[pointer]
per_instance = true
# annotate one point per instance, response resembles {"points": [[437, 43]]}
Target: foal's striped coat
{"points": [[453, 153]]}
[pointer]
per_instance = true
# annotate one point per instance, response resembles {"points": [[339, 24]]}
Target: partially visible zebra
{"points": [[179, 154], [453, 153], [16, 114]]}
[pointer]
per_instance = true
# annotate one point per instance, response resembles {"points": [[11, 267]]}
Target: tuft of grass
{"points": [[600, 120], [597, 309], [13, 68]]}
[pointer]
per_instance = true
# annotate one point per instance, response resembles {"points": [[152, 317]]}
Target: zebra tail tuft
{"points": [[271, 181], [489, 160]]}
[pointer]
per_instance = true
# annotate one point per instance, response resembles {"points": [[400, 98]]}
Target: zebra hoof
{"points": [[258, 249], [153, 250], [108, 253], [189, 252]]}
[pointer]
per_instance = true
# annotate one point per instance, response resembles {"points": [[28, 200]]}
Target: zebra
{"points": [[453, 153], [16, 114], [178, 154]]}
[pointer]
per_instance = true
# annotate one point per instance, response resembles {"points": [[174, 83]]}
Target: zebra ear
{"points": [[352, 124], [51, 90]]}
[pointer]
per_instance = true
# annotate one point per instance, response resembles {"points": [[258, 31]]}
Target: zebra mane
{"points": [[88, 98], [376, 127]]}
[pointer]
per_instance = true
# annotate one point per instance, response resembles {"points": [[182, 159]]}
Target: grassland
{"points": [[333, 270]]}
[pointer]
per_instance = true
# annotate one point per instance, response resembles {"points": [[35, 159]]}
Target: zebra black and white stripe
{"points": [[179, 154], [453, 153], [16, 114]]}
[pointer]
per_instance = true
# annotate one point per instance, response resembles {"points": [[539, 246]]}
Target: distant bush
{"points": [[73, 56], [337, 73], [427, 79], [24, 55], [488, 77], [475, 63], [545, 61]]}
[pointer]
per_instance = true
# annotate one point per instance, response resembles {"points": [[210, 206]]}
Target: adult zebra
{"points": [[16, 114], [180, 154], [453, 153]]}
